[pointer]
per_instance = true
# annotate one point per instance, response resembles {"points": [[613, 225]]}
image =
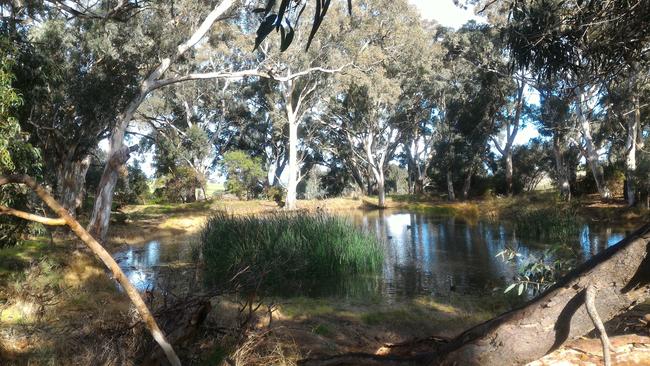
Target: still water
{"points": [[424, 255]]}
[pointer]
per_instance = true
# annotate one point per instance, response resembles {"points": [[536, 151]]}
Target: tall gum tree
{"points": [[364, 115], [304, 76], [119, 153]]}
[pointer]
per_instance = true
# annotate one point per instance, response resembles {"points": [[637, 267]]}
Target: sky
{"points": [[444, 12]]}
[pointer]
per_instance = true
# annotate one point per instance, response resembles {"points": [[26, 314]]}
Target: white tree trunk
{"points": [[292, 168], [591, 154], [509, 171], [631, 146]]}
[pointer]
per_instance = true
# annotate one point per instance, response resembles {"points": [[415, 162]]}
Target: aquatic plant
{"points": [[548, 223], [285, 253]]}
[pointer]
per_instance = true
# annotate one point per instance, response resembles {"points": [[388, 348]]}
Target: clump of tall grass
{"points": [[286, 253], [548, 223]]}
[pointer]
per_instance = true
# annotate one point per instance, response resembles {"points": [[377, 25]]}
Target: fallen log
{"points": [[622, 275]]}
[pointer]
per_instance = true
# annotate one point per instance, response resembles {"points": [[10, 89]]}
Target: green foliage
{"points": [[179, 185], [537, 273], [16, 155], [244, 174], [276, 194], [133, 188], [285, 254]]}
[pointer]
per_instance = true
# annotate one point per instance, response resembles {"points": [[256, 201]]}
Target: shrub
{"points": [[276, 194], [243, 174], [285, 254]]}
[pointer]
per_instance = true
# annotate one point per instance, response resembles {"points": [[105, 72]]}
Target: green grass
{"points": [[286, 254]]}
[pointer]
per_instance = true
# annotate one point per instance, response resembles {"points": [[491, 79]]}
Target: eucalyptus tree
{"points": [[364, 113], [192, 125], [625, 96], [368, 131], [306, 75], [508, 122], [584, 44], [420, 106], [555, 121], [470, 99]]}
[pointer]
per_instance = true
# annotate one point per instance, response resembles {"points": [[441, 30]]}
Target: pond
{"points": [[425, 255]]}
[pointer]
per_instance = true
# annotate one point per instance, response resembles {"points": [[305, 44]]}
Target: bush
{"points": [[243, 174], [179, 186], [133, 188], [281, 254], [276, 194]]}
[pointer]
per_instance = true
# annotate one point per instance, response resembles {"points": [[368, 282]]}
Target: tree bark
{"points": [[560, 170], [622, 275], [468, 180], [381, 190], [451, 195], [509, 171], [292, 167], [633, 123], [71, 181], [591, 153], [98, 226]]}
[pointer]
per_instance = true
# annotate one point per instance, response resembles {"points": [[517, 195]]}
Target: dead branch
{"points": [[99, 251]]}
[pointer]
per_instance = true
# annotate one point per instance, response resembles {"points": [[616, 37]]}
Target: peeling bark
{"points": [[71, 182]]}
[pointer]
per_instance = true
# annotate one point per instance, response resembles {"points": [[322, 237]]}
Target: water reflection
{"points": [[428, 255], [145, 266], [424, 255]]}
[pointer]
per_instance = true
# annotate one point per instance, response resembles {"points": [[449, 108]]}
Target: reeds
{"points": [[285, 253]]}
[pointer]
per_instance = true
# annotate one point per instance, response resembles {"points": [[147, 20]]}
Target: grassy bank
{"points": [[57, 305]]}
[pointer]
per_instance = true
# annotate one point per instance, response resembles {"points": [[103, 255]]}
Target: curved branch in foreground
{"points": [[622, 275], [8, 211], [98, 250]]}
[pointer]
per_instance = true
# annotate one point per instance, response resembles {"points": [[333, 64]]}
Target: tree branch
{"points": [[105, 257], [31, 217], [266, 74]]}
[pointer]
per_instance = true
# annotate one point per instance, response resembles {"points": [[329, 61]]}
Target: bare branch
{"points": [[31, 217]]}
